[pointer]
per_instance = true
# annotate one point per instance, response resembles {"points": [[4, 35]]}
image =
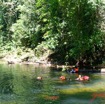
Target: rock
{"points": [[39, 78], [11, 62], [103, 70]]}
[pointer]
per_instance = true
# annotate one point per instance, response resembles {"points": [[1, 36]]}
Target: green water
{"points": [[18, 85]]}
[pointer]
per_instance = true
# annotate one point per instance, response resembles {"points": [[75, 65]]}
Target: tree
{"points": [[71, 29]]}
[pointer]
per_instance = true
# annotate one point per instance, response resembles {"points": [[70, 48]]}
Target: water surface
{"points": [[18, 85]]}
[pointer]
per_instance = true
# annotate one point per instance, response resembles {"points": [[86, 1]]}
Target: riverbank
{"points": [[30, 59], [37, 64], [93, 69]]}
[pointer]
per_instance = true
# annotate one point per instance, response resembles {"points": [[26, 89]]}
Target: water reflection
{"points": [[6, 83], [18, 85]]}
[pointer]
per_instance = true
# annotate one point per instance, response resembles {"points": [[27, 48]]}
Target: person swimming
{"points": [[62, 77], [74, 70], [86, 77], [81, 78]]}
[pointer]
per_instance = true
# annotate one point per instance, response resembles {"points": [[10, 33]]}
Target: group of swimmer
{"points": [[73, 70], [79, 78]]}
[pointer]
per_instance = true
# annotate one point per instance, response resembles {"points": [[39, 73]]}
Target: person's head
{"points": [[62, 77]]}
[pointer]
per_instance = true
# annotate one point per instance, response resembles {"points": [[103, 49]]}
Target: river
{"points": [[18, 85]]}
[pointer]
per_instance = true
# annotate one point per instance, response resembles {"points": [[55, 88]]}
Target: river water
{"points": [[18, 85]]}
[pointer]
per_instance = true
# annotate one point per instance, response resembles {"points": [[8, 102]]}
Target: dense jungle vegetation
{"points": [[57, 30]]}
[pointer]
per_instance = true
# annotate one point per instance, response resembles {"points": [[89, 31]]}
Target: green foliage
{"points": [[73, 30]]}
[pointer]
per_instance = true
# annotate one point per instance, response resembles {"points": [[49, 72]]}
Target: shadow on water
{"points": [[18, 85]]}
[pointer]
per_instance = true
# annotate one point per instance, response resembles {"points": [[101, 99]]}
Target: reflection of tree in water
{"points": [[24, 86], [43, 89], [6, 85]]}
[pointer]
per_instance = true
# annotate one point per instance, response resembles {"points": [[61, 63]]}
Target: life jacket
{"points": [[76, 69]]}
